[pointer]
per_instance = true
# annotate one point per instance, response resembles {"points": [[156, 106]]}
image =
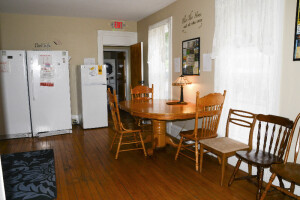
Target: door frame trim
{"points": [[116, 38]]}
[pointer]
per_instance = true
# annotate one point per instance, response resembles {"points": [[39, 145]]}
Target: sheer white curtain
{"points": [[159, 54], [247, 51]]}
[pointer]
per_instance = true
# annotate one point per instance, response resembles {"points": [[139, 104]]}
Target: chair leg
{"points": [[143, 145], [224, 161], [260, 173], [219, 160], [197, 155], [292, 188], [119, 145], [236, 169], [280, 182], [112, 144], [268, 186], [135, 140], [201, 157], [249, 169], [179, 147]]}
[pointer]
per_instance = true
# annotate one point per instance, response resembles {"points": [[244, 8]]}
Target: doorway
{"points": [[115, 40], [116, 62]]}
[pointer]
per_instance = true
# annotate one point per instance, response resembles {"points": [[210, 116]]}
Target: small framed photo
{"points": [[297, 34], [191, 57]]}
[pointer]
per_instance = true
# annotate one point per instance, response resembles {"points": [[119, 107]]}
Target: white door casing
{"points": [[116, 38]]}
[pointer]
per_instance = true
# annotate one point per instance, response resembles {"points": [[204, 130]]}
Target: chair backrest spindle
{"points": [[272, 136], [274, 128]]}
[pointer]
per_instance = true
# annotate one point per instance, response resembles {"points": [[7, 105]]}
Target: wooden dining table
{"points": [[159, 112]]}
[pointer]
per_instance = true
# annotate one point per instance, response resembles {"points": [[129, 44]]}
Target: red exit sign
{"points": [[118, 25]]}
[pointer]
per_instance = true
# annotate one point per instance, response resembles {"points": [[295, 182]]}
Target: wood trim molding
{"points": [[114, 38]]}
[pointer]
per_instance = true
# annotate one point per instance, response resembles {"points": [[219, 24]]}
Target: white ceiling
{"points": [[133, 10]]}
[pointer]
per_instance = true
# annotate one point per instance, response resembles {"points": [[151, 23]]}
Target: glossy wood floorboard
{"points": [[86, 169]]}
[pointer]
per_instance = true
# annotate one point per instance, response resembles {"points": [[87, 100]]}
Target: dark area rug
{"points": [[29, 175]]}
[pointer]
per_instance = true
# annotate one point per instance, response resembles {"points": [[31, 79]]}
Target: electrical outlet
{"points": [[75, 121]]}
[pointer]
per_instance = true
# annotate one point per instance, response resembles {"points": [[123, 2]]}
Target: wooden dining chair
{"points": [[289, 171], [142, 93], [272, 138], [225, 147], [132, 136], [209, 108]]}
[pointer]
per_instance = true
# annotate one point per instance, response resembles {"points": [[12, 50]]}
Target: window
{"points": [[247, 51], [159, 58]]}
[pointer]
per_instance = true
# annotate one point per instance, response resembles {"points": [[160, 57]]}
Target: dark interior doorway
{"points": [[115, 72]]}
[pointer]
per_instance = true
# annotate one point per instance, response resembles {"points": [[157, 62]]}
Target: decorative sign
{"points": [[118, 25], [297, 34], [191, 19], [57, 42], [42, 45], [47, 45]]}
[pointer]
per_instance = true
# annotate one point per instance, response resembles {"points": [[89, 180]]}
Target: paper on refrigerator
{"points": [[47, 73], [4, 66]]}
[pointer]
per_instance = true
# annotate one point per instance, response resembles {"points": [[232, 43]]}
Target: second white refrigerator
{"points": [[92, 96], [49, 92]]}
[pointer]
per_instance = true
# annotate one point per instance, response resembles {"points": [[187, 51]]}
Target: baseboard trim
{"points": [[14, 136], [51, 133]]}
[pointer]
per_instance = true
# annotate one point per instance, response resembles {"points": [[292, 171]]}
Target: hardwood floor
{"points": [[86, 169]]}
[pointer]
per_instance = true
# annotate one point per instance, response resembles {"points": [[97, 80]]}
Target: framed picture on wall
{"points": [[191, 57], [297, 33]]}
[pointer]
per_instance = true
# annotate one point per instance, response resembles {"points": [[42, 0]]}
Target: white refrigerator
{"points": [[49, 92], [14, 101], [92, 96], [35, 95]]}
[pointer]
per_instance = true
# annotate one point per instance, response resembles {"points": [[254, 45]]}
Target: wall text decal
{"points": [[42, 45], [191, 19]]}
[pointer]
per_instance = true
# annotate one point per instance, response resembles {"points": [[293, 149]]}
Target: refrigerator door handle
{"points": [[32, 85]]}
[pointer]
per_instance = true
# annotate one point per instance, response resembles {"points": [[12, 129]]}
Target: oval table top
{"points": [[158, 109]]}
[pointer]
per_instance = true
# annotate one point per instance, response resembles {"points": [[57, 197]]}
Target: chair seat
{"points": [[190, 134], [260, 158], [223, 145], [289, 171], [132, 126]]}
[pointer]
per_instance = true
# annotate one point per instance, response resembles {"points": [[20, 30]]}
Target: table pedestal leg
{"points": [[159, 132], [159, 138]]}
